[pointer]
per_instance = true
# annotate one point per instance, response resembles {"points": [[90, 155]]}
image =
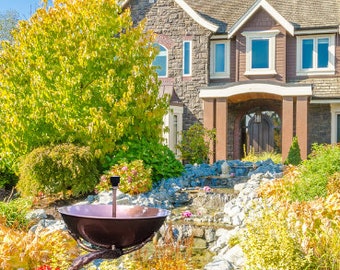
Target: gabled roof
{"points": [[230, 15]]}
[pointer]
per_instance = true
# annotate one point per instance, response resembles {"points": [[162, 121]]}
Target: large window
{"points": [[187, 58], [315, 55], [260, 52], [161, 61], [219, 59]]}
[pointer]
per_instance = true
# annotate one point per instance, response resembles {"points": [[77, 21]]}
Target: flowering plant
{"points": [[186, 214], [134, 178], [207, 189]]}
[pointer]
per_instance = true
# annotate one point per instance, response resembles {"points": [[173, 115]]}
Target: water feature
{"points": [[110, 231]]}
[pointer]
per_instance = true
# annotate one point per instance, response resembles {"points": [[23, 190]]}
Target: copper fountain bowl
{"points": [[95, 224]]}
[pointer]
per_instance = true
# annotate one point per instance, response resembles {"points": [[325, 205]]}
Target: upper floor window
{"points": [[260, 52], [161, 61], [219, 59], [315, 55], [187, 48]]}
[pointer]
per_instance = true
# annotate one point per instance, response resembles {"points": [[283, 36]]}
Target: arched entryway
{"points": [[225, 106]]}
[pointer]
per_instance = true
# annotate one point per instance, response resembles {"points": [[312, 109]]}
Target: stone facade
{"points": [[301, 112], [173, 26]]}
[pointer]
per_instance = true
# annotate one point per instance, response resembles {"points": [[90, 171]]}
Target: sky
{"points": [[25, 8]]}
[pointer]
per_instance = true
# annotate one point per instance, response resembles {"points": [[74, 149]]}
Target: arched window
{"points": [[161, 61]]}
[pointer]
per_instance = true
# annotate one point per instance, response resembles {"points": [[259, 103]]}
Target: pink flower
{"points": [[186, 214], [207, 189], [124, 168]]}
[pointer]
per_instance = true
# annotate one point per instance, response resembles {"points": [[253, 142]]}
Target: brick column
{"points": [[301, 124], [287, 125], [221, 128], [209, 120]]}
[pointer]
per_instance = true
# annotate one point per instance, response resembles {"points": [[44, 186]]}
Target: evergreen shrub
{"points": [[58, 169], [294, 155]]}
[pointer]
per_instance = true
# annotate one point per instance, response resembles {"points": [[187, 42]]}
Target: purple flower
{"points": [[207, 189], [186, 214]]}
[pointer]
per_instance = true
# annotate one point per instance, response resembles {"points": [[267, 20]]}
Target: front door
{"points": [[260, 134]]}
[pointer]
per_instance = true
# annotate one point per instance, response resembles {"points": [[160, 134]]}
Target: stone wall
{"points": [[173, 26]]}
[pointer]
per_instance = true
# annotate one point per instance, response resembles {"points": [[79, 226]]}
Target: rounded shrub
{"points": [[134, 178], [58, 169], [195, 144], [155, 155]]}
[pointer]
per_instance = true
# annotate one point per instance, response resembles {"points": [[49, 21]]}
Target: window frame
{"points": [[335, 114], [162, 53], [269, 35], [226, 73], [329, 70], [190, 58]]}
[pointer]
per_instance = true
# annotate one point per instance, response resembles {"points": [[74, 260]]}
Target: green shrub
{"points": [[134, 178], [155, 155], [294, 155], [268, 243], [195, 144], [55, 169], [7, 178], [14, 213], [314, 172]]}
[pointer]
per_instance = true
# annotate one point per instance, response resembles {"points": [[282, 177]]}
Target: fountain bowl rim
{"points": [[162, 213]]}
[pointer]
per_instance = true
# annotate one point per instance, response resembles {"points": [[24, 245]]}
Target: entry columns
{"points": [[209, 122], [301, 124], [287, 125], [221, 128]]}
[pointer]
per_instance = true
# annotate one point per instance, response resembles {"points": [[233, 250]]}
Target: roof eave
{"points": [[196, 17]]}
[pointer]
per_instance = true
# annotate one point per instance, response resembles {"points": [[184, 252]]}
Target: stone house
{"points": [[259, 72]]}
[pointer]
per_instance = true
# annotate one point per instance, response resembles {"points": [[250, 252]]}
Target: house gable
{"points": [[269, 9]]}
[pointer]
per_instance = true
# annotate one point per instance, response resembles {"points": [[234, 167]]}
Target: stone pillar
{"points": [[209, 121], [301, 124], [287, 125], [221, 128]]}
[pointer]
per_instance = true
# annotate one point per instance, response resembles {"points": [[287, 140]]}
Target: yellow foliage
{"points": [[19, 249], [315, 224]]}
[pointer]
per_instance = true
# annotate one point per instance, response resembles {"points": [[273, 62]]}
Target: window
{"points": [[161, 61], [187, 58], [219, 59], [260, 52], [315, 55]]}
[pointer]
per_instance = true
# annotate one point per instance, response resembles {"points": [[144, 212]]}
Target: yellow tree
{"points": [[78, 72]]}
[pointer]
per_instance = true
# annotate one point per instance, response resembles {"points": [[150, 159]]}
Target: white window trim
{"points": [[226, 73], [271, 36], [330, 70], [335, 111], [190, 58], [167, 60]]}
